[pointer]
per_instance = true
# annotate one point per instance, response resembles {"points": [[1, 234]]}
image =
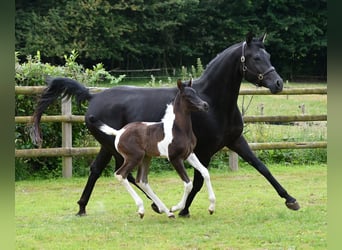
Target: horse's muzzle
{"points": [[277, 86]]}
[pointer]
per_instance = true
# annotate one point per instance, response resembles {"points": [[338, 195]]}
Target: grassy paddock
{"points": [[249, 214]]}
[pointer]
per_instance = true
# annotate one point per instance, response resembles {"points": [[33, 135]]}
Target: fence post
{"points": [[233, 161], [66, 138]]}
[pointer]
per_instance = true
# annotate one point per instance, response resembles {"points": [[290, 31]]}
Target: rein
{"points": [[260, 76]]}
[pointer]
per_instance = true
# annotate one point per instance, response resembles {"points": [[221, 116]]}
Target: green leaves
{"points": [[139, 34]]}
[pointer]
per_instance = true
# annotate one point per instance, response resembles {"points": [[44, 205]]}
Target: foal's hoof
{"points": [[172, 216], [141, 215], [155, 208], [211, 211], [293, 205]]}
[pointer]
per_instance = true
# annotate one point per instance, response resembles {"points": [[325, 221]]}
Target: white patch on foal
{"points": [[111, 131], [168, 120]]}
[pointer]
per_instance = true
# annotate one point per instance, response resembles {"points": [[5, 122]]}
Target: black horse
{"points": [[221, 127]]}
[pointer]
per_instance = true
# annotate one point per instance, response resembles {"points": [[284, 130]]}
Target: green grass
{"points": [[249, 213]]}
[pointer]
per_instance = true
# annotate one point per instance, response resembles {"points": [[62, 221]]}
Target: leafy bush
{"points": [[33, 72]]}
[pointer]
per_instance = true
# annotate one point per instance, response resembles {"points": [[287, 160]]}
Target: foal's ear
{"points": [[180, 84], [190, 83]]}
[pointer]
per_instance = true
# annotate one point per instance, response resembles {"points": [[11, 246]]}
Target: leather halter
{"points": [[260, 76]]}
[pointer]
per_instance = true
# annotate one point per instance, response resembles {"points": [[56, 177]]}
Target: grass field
{"points": [[249, 213]]}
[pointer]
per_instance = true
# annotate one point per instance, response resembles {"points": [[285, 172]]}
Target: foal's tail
{"points": [[102, 126], [60, 86]]}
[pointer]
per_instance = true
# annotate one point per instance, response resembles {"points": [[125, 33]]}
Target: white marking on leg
{"points": [[138, 201], [148, 190], [181, 204], [168, 120], [193, 160]]}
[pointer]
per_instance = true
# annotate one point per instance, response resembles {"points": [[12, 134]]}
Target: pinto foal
{"points": [[172, 137]]}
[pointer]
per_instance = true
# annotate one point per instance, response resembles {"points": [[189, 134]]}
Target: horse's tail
{"points": [[60, 86], [102, 126]]}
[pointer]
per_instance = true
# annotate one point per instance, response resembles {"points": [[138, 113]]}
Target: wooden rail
{"points": [[32, 90], [67, 151]]}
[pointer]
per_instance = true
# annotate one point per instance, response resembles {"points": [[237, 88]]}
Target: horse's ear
{"points": [[249, 37], [263, 38], [190, 83], [180, 84]]}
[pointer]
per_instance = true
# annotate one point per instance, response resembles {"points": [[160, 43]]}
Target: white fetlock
{"points": [[211, 208], [176, 208], [171, 215]]}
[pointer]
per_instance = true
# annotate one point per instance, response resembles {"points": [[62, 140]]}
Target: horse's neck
{"points": [[222, 78], [182, 117]]}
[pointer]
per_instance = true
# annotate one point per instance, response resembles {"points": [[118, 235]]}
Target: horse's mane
{"points": [[221, 55]]}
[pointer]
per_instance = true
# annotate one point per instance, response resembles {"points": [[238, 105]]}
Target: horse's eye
{"points": [[257, 58]]}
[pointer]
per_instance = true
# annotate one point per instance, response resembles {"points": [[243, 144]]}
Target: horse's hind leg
{"points": [[96, 169], [193, 160], [146, 187], [130, 161], [142, 182], [138, 201]]}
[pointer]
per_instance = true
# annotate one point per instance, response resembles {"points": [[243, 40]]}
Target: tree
{"points": [[150, 33]]}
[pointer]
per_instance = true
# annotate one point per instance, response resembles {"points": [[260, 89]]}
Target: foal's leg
{"points": [[142, 182], [179, 166], [193, 160], [138, 201], [122, 173]]}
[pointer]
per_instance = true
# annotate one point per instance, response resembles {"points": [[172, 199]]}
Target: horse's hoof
{"points": [[155, 208], [211, 211], [141, 215], [184, 215], [172, 216], [293, 205], [81, 213]]}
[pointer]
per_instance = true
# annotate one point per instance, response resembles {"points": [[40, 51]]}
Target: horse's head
{"points": [[256, 65], [190, 98]]}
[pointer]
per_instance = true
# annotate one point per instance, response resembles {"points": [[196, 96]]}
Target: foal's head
{"points": [[189, 99]]}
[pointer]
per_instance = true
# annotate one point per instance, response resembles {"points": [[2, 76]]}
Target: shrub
{"points": [[33, 72]]}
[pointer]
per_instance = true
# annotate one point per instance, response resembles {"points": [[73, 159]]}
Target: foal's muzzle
{"points": [[205, 107]]}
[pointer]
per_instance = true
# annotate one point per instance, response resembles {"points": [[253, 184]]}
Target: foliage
{"points": [[32, 72], [167, 34]]}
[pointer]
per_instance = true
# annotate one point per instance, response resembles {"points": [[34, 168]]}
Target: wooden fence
{"points": [[67, 151]]}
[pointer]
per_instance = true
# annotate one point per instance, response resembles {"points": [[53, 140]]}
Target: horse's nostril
{"points": [[279, 83]]}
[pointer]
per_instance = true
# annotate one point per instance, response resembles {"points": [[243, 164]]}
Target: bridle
{"points": [[260, 76]]}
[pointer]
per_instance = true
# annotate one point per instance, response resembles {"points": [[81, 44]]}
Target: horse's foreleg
{"points": [[241, 147], [96, 169], [193, 160], [196, 187], [181, 204]]}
